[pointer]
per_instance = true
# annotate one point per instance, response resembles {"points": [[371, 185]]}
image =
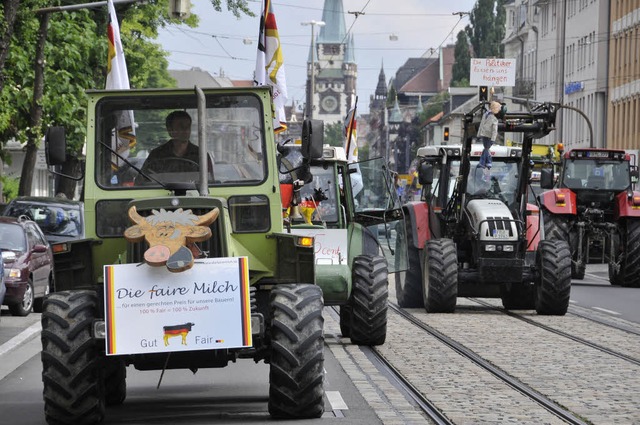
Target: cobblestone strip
{"points": [[598, 333], [596, 386], [465, 392], [389, 404]]}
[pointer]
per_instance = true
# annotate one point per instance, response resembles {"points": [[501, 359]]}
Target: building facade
{"points": [[623, 129]]}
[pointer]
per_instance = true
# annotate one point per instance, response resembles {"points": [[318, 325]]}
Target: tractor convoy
{"points": [[231, 250]]}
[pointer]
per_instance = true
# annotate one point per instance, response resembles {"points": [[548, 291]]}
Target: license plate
{"points": [[500, 234]]}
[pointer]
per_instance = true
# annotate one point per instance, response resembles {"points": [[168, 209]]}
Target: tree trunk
{"points": [[71, 167], [35, 133]]}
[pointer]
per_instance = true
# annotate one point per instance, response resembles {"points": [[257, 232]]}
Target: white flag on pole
{"points": [[270, 65], [124, 137]]}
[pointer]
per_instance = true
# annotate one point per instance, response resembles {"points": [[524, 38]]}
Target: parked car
{"points": [[59, 219], [28, 264]]}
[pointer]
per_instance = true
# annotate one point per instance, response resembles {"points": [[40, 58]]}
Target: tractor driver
{"points": [[178, 154]]}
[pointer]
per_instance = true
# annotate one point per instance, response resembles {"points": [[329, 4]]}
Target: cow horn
{"points": [[135, 217], [208, 218]]}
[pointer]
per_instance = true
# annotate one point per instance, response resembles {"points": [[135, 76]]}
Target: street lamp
{"points": [[313, 63]]}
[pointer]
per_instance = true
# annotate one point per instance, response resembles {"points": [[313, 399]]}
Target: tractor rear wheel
{"points": [[557, 227], [409, 283], [71, 360], [369, 300], [440, 276], [553, 288], [629, 273], [297, 357]]}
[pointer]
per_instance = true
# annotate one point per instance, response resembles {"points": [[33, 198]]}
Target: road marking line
{"points": [[336, 400], [23, 336], [615, 313]]}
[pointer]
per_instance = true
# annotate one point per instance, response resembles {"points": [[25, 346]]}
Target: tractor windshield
{"points": [[499, 182], [596, 174], [147, 142]]}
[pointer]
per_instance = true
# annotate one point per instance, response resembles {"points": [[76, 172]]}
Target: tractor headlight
{"points": [[249, 213], [490, 248], [507, 248]]}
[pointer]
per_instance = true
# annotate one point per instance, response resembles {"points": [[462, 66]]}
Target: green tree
{"points": [[334, 134], [462, 61], [75, 55], [486, 28]]}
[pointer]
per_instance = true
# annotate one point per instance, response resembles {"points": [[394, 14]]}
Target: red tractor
{"points": [[595, 209], [474, 234]]}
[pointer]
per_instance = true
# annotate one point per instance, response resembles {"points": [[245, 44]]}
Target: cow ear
{"points": [[134, 234], [180, 260], [198, 234]]}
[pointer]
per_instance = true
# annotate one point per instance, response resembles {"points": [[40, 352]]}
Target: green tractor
{"points": [[188, 264], [352, 211]]}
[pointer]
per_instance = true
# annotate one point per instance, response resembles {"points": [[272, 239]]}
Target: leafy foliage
{"points": [[487, 27], [334, 134], [462, 61], [76, 60]]}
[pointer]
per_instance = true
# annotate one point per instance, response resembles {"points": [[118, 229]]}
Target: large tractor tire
{"points": [[553, 288], [409, 283], [440, 276], [518, 296], [629, 273], [557, 227], [369, 300], [71, 360], [297, 356]]}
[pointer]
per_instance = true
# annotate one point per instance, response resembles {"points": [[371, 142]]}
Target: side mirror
{"points": [[425, 174], [55, 146], [634, 174], [312, 138], [546, 178], [40, 248]]}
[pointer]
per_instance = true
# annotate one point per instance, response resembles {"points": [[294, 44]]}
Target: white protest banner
{"points": [[152, 310], [492, 72], [330, 244]]}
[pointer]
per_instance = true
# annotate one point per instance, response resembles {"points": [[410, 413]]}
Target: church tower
{"points": [[335, 70]]}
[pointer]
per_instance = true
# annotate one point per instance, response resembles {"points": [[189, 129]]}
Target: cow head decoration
{"points": [[168, 233]]}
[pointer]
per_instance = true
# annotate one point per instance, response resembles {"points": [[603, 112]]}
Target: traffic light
{"points": [[483, 93], [446, 134]]}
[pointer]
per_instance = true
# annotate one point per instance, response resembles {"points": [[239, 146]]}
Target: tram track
{"points": [[512, 382], [564, 334]]}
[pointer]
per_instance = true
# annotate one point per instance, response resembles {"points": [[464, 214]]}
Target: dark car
{"points": [[28, 264], [59, 219]]}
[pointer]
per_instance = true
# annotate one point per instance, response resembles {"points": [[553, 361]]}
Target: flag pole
{"points": [[350, 132]]}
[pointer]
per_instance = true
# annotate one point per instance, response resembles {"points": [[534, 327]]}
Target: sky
{"points": [[224, 44]]}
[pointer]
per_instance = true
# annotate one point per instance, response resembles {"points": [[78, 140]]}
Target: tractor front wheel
{"points": [[369, 300], [297, 356], [440, 276], [553, 288], [71, 360]]}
